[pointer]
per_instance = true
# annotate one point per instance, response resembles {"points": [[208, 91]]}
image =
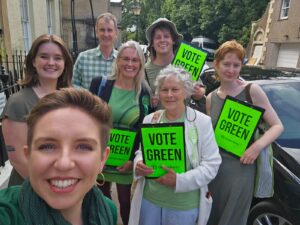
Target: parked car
{"points": [[283, 91], [207, 44]]}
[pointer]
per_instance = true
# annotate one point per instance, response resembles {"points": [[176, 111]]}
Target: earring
{"points": [[103, 180]]}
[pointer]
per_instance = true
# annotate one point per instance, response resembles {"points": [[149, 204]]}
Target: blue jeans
{"points": [[152, 214]]}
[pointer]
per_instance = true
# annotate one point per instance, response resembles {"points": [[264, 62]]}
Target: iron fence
{"points": [[11, 71]]}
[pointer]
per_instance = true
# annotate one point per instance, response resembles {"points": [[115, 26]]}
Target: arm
{"points": [[209, 159], [259, 98], [139, 168], [15, 134]]}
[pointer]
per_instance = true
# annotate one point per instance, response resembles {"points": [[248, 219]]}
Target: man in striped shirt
{"points": [[98, 61]]}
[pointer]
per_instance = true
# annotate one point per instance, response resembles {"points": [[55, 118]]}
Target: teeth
{"points": [[63, 183]]}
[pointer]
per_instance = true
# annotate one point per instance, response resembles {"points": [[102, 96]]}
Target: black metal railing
{"points": [[11, 71]]}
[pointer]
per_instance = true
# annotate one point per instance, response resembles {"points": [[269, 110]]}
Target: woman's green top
{"points": [[20, 205], [125, 113]]}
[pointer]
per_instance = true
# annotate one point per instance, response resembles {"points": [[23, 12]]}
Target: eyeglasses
{"points": [[133, 61]]}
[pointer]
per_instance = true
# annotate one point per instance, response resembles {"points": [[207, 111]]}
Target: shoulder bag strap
{"points": [[102, 85]]}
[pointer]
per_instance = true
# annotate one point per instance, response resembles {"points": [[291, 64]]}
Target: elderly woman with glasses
{"points": [[174, 198]]}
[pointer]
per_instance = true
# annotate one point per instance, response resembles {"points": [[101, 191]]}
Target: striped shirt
{"points": [[90, 64]]}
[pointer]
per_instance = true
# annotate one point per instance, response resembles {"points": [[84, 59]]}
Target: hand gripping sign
{"points": [[121, 143], [163, 144], [236, 125], [190, 58]]}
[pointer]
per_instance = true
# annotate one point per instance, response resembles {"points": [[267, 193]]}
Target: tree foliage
{"points": [[220, 20], [230, 19]]}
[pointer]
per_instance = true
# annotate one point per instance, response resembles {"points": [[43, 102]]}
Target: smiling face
{"points": [[229, 67], [163, 41], [106, 32], [49, 62], [172, 94], [129, 63], [64, 162]]}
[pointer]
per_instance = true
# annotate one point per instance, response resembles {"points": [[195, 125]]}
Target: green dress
{"points": [[232, 189]]}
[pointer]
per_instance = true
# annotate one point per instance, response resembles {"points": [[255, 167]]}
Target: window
{"points": [[50, 16], [25, 24], [285, 9]]}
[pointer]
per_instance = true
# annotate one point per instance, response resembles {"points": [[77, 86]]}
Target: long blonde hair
{"points": [[139, 80]]}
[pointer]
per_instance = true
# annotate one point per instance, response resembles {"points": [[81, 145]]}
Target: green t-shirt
{"points": [[166, 197], [152, 71], [125, 110], [125, 113]]}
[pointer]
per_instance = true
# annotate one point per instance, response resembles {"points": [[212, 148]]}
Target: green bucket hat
{"points": [[159, 21]]}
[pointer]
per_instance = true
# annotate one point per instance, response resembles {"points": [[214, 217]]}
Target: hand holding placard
{"points": [[142, 170], [163, 144], [126, 167], [168, 179], [121, 144], [190, 58], [236, 125], [251, 154]]}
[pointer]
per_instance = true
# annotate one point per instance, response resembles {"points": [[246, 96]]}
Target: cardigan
{"points": [[205, 161]]}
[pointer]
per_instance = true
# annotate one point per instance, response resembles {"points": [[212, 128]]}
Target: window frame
{"points": [[50, 24], [25, 22], [284, 10]]}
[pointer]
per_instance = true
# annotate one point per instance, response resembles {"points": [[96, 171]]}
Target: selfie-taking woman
{"points": [[68, 132]]}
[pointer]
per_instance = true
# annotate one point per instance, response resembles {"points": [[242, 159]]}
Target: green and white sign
{"points": [[236, 125], [163, 144], [190, 58], [121, 144]]}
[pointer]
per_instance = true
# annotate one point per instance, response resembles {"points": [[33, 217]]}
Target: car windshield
{"points": [[195, 44], [284, 98], [210, 45]]}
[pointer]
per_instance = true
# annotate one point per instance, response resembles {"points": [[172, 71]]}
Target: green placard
{"points": [[163, 144], [121, 143], [190, 58], [236, 125]]}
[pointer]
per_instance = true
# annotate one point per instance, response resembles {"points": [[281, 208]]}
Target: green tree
{"points": [[128, 20], [229, 19], [220, 20], [150, 11], [184, 14]]}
